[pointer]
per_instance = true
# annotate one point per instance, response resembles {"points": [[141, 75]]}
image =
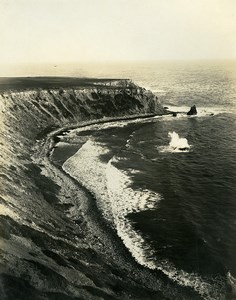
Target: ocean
{"points": [[173, 209]]}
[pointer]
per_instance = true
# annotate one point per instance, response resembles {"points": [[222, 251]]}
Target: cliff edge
{"points": [[62, 101], [53, 243]]}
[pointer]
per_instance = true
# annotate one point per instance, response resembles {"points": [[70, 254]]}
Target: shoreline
{"points": [[95, 217], [69, 246], [51, 226], [157, 270], [105, 120]]}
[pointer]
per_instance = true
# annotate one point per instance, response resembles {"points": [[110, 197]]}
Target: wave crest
{"points": [[117, 199]]}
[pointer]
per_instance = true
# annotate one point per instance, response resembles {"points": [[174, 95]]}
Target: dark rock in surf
{"points": [[56, 139], [193, 111], [174, 114]]}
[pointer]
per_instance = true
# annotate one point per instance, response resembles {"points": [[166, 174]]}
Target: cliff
{"points": [[39, 108], [53, 244]]}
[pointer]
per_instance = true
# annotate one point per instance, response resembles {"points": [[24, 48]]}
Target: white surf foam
{"points": [[87, 167], [117, 199], [125, 200], [232, 281], [201, 111], [208, 288], [96, 127], [112, 124], [177, 144]]}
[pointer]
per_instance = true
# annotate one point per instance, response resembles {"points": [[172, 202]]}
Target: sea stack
{"points": [[193, 111]]}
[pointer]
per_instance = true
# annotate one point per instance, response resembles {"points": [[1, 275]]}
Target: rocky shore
{"points": [[53, 242]]}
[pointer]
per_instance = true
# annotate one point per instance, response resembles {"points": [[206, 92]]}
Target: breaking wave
{"points": [[116, 199], [177, 144]]}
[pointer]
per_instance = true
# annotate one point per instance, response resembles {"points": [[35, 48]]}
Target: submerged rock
{"points": [[193, 111], [183, 149]]}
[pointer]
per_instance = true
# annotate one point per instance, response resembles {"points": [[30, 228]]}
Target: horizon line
{"points": [[56, 63]]}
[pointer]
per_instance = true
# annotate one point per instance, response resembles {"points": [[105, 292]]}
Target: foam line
{"points": [[116, 199]]}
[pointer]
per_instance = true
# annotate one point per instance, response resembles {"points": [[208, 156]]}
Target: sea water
{"points": [[167, 185]]}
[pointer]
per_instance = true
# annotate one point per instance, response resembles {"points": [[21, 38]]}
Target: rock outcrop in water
{"points": [[53, 244], [193, 111]]}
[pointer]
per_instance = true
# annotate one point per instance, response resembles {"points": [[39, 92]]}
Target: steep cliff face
{"points": [[44, 252], [43, 108]]}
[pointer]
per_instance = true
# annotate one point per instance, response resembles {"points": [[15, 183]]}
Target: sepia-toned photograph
{"points": [[118, 150]]}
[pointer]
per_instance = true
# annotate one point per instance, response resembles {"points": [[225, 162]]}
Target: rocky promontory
{"points": [[44, 102]]}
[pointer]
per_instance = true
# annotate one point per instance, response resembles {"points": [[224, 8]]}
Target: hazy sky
{"points": [[114, 30]]}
